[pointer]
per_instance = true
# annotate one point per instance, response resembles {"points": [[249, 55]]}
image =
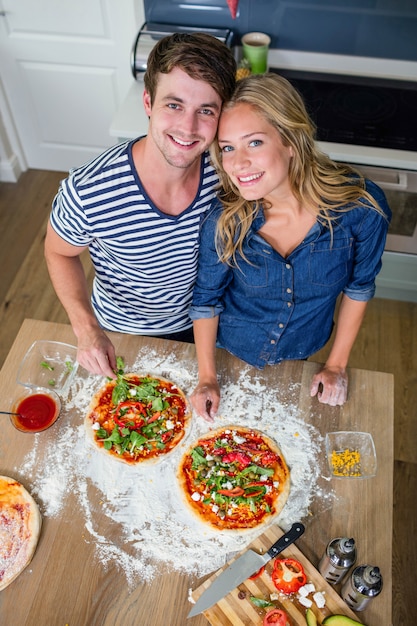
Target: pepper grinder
{"points": [[338, 558], [364, 584]]}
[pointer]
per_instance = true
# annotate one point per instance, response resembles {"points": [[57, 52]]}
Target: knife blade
{"points": [[244, 566]]}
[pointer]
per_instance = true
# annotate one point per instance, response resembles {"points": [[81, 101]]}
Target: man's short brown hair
{"points": [[201, 56]]}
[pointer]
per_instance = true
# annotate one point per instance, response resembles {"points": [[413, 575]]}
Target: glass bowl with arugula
{"points": [[48, 364]]}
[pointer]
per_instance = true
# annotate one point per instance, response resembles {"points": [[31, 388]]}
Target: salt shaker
{"points": [[364, 584], [337, 560]]}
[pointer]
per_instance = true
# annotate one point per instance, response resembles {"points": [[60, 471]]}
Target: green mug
{"points": [[255, 50]]}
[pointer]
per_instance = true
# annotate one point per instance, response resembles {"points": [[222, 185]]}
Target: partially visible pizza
{"points": [[20, 526], [137, 418], [234, 479]]}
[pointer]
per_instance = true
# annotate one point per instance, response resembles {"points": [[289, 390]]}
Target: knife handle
{"points": [[292, 535]]}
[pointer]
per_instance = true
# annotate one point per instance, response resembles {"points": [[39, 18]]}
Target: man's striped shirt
{"points": [[145, 261]]}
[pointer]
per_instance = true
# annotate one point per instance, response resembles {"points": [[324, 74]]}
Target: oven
{"points": [[364, 121]]}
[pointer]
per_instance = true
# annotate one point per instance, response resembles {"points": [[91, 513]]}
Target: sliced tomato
{"points": [[242, 459], [288, 575], [277, 617], [268, 458], [258, 573]]}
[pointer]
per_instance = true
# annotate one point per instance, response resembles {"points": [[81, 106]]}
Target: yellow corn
{"points": [[346, 462]]}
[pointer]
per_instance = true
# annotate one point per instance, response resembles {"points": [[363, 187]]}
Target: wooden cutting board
{"points": [[234, 611]]}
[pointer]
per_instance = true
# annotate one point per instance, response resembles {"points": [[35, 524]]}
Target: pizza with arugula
{"points": [[20, 527], [137, 418], [234, 478]]}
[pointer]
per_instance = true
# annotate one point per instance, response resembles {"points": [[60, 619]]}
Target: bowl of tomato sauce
{"points": [[36, 410]]}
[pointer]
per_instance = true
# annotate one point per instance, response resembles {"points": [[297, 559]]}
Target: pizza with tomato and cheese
{"points": [[234, 479], [20, 526], [137, 418]]}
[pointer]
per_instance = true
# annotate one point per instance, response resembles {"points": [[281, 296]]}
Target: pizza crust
{"points": [[96, 413], [20, 526], [281, 476]]}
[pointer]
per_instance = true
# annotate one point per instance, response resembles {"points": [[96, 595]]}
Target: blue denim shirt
{"points": [[277, 308]]}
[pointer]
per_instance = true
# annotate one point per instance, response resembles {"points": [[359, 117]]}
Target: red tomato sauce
{"points": [[36, 412]]}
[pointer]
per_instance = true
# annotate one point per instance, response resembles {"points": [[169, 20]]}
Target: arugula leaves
{"points": [[146, 392]]}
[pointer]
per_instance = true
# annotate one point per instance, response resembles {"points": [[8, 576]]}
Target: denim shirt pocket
{"points": [[253, 276], [330, 261], [254, 271]]}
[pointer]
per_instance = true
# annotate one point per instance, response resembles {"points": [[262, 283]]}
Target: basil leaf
{"points": [[261, 603]]}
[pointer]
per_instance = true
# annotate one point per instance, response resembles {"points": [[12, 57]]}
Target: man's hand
{"points": [[205, 400], [96, 353], [330, 385]]}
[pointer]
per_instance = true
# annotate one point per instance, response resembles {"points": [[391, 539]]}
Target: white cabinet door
{"points": [[65, 69]]}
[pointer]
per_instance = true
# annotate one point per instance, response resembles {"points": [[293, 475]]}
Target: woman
{"points": [[290, 231]]}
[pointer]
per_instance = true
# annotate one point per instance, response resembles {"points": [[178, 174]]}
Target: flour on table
{"points": [[155, 529]]}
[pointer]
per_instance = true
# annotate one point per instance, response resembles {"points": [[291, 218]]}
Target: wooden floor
{"points": [[387, 342]]}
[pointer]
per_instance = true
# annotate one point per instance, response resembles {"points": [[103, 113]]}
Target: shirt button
{"points": [[289, 290], [281, 325], [289, 304], [273, 342], [288, 266]]}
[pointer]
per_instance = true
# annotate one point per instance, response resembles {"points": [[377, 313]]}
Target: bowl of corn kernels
{"points": [[351, 454]]}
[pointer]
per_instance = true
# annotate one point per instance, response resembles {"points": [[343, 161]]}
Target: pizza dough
{"points": [[138, 420], [20, 526], [234, 479]]}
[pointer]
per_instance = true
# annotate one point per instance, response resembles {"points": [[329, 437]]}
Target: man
{"points": [[137, 207]]}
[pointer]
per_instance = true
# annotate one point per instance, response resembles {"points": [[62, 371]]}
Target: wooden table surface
{"points": [[65, 585]]}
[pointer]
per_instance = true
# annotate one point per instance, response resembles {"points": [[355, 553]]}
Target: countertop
{"points": [[67, 584]]}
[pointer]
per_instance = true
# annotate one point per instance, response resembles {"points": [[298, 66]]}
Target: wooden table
{"points": [[65, 585]]}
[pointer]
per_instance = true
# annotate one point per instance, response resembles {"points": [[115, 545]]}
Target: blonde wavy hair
{"points": [[320, 184]]}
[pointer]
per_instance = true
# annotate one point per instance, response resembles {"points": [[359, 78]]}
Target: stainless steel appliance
{"points": [[370, 112], [152, 32]]}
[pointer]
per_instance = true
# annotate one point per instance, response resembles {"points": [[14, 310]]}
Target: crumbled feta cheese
{"points": [[305, 602], [238, 439], [319, 599], [132, 392], [195, 496], [263, 477], [228, 485], [169, 425], [215, 508], [303, 591], [209, 457], [96, 426], [309, 588], [274, 596]]}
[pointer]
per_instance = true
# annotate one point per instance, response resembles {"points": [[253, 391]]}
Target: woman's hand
{"points": [[205, 400], [330, 385]]}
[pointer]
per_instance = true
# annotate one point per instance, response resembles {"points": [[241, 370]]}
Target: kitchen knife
{"points": [[244, 566]]}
